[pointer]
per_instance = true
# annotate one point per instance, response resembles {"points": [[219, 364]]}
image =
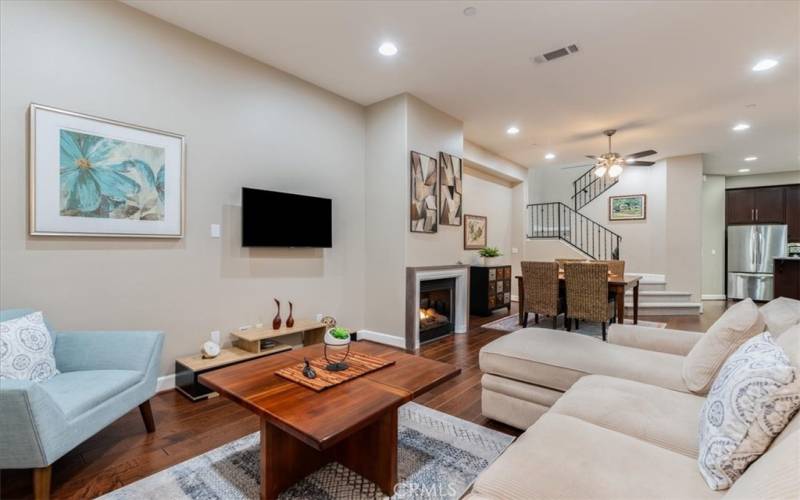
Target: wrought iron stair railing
{"points": [[556, 220], [588, 187]]}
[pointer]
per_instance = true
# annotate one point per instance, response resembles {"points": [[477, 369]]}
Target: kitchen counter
{"points": [[787, 258], [787, 277]]}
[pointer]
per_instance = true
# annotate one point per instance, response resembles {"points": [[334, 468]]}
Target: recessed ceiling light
{"points": [[765, 64], [387, 49], [743, 170], [470, 11], [751, 158], [512, 130], [741, 126], [549, 156]]}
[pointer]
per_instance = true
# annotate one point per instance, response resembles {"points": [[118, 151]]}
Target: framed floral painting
{"points": [[92, 176], [474, 232]]}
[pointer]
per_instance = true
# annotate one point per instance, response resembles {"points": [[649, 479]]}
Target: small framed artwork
{"points": [[424, 190], [474, 232], [630, 207], [450, 195], [93, 176]]}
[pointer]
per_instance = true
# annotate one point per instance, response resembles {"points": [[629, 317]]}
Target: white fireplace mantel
{"points": [[416, 275]]}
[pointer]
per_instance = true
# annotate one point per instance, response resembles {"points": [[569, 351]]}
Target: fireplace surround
{"points": [[444, 290]]}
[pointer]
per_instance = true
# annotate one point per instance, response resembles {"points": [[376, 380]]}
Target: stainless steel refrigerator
{"points": [[751, 250]]}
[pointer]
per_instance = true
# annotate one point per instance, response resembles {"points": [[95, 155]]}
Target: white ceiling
{"points": [[670, 75]]}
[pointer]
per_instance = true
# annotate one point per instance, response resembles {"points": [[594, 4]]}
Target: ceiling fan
{"points": [[611, 163]]}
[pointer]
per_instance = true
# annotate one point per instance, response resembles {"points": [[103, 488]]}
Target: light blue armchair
{"points": [[103, 376]]}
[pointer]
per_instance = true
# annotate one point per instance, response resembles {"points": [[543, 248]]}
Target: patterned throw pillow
{"points": [[753, 398], [26, 349]]}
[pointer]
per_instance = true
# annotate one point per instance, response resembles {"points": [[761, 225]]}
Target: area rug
{"points": [[511, 324], [439, 456]]}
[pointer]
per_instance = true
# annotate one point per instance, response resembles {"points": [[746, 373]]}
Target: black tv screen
{"points": [[273, 219]]}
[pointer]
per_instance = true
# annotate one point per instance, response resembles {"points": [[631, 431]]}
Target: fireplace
{"points": [[444, 293], [436, 308]]}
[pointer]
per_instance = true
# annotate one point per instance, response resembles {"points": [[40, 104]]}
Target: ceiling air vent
{"points": [[555, 54]]}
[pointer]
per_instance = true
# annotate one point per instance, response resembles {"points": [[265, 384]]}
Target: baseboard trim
{"points": [[165, 383], [382, 338], [713, 297]]}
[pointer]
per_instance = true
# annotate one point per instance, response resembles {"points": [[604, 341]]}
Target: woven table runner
{"points": [[357, 364]]}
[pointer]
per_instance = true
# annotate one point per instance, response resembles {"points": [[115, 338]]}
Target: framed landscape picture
{"points": [[630, 207], [424, 190], [450, 195], [92, 176], [474, 232]]}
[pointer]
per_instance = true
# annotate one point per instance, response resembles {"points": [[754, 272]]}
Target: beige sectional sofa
{"points": [[611, 420]]}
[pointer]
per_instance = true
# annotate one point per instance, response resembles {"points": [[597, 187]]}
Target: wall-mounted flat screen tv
{"points": [[273, 219]]}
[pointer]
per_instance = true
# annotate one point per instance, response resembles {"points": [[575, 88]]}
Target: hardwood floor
{"points": [[124, 452]]}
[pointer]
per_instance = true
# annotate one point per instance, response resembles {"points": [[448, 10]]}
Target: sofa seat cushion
{"points": [[566, 457], [659, 416], [557, 359], [77, 392]]}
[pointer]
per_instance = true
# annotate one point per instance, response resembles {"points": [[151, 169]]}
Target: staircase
{"points": [[557, 220], [588, 187]]}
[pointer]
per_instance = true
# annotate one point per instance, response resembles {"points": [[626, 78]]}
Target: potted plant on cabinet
{"points": [[488, 253]]}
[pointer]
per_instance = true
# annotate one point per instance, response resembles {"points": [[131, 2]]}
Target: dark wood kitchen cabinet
{"points": [[787, 278], [760, 205], [793, 212]]}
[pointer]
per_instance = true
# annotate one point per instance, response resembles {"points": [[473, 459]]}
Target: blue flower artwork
{"points": [[110, 178]]}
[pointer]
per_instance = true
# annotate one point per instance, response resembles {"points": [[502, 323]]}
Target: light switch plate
{"points": [[514, 250], [215, 231]]}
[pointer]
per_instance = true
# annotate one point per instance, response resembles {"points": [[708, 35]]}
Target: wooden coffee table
{"points": [[354, 423]]}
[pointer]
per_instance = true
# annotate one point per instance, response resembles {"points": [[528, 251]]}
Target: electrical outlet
{"points": [[514, 250], [216, 231]]}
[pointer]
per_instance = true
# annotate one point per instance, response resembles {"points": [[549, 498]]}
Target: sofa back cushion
{"points": [[752, 400], [781, 314], [739, 323]]}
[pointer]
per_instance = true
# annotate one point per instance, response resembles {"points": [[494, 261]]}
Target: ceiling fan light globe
{"points": [[600, 171], [614, 171]]}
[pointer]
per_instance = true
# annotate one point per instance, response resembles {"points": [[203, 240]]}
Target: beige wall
{"points": [[246, 124], [683, 235], [385, 216], [713, 236], [774, 179]]}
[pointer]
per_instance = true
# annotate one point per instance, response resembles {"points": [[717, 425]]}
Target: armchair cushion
{"points": [[78, 392], [112, 350], [26, 349], [653, 339]]}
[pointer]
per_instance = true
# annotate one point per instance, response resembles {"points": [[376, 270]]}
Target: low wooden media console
{"points": [[247, 345]]}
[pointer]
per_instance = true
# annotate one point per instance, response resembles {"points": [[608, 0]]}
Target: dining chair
{"points": [[615, 267], [561, 262], [587, 294], [542, 295]]}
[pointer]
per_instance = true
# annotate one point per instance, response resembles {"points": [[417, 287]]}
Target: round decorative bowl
{"points": [[333, 346]]}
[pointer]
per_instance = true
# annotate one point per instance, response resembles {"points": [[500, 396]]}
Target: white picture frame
{"points": [[92, 176]]}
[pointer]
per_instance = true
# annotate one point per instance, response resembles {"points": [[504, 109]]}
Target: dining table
{"points": [[617, 284]]}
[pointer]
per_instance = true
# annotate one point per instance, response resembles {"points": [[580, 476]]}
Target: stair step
{"points": [[665, 308], [651, 296]]}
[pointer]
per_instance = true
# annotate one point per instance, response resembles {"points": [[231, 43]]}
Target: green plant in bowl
{"points": [[340, 333]]}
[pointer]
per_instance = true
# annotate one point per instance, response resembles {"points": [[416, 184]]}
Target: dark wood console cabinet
{"points": [[489, 289], [787, 278]]}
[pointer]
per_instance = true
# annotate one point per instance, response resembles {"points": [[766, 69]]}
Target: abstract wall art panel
{"points": [[91, 176], [450, 195], [424, 188]]}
